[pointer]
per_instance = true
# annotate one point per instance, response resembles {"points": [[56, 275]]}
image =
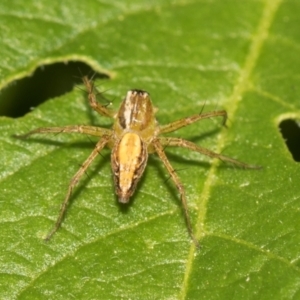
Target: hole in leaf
{"points": [[47, 82], [290, 130]]}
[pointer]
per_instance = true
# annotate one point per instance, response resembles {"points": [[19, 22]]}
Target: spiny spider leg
{"points": [[178, 142], [190, 120], [99, 146], [89, 84], [134, 130], [160, 151], [90, 130]]}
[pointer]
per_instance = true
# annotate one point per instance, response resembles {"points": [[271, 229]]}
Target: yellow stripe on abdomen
{"points": [[130, 161]]}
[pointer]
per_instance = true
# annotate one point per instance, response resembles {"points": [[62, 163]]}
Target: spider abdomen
{"points": [[128, 160]]}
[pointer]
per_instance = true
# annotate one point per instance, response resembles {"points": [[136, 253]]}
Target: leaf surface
{"points": [[242, 56]]}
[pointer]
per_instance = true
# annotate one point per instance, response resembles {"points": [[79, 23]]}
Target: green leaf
{"points": [[239, 55]]}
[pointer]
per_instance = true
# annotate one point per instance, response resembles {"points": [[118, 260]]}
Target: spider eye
{"points": [[137, 92]]}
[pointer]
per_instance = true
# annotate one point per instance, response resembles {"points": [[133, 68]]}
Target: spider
{"points": [[135, 134]]}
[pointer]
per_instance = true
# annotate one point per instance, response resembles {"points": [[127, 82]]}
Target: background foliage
{"points": [[238, 55]]}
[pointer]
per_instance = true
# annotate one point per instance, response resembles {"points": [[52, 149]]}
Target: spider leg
{"points": [[102, 110], [160, 151], [99, 146], [90, 130], [190, 120], [178, 142]]}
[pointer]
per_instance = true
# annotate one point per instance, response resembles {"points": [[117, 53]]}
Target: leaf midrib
{"points": [[241, 86]]}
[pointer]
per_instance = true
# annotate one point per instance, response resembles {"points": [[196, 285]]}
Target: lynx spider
{"points": [[135, 134]]}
